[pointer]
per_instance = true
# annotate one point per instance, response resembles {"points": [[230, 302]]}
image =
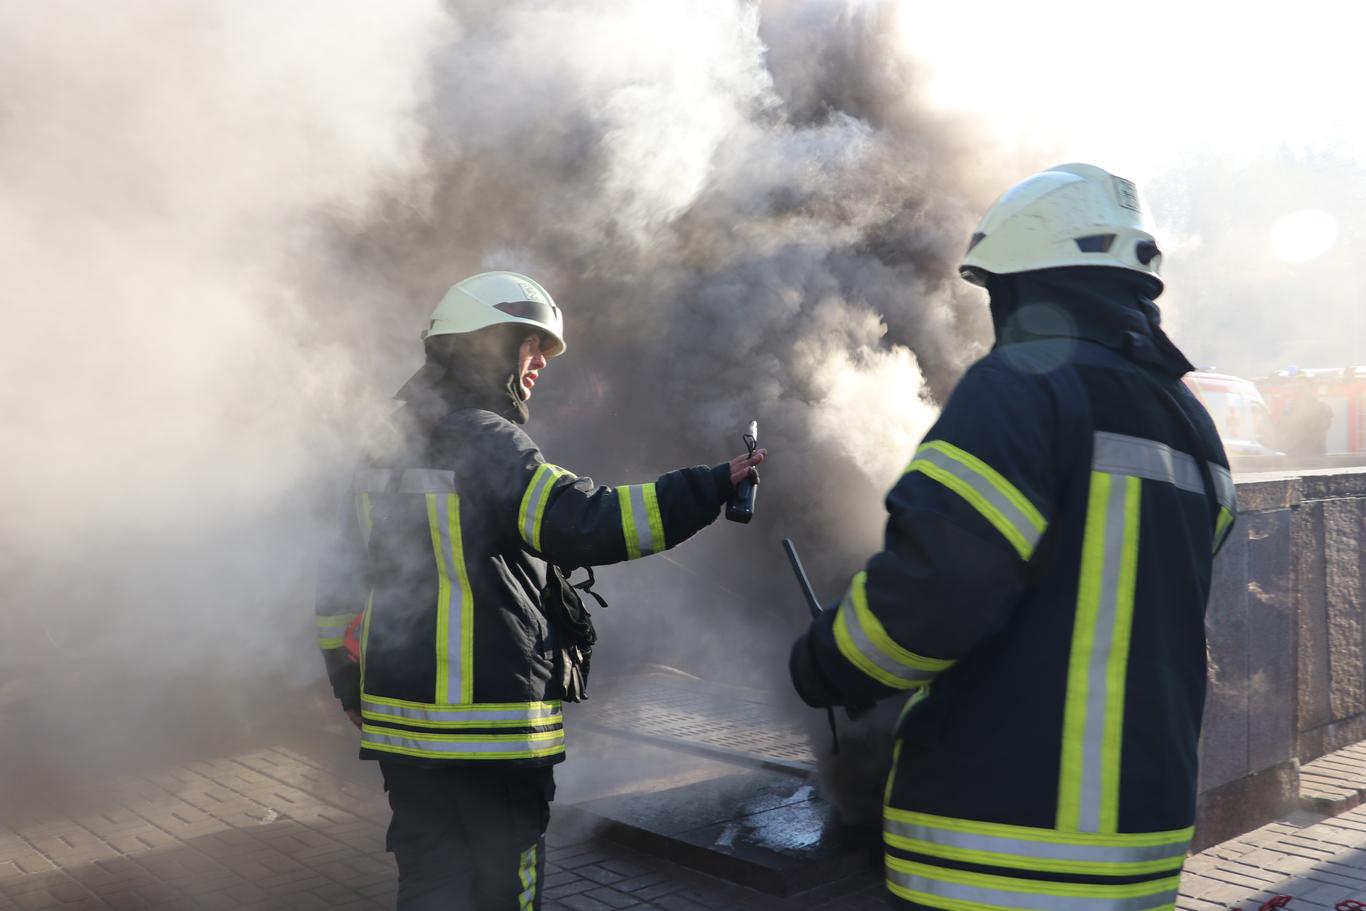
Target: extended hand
{"points": [[743, 466]]}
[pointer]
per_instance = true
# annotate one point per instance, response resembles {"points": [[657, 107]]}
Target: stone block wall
{"points": [[1287, 644]]}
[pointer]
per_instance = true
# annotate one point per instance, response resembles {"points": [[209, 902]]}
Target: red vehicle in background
{"points": [[1318, 411]]}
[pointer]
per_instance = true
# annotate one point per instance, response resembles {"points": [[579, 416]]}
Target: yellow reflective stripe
{"points": [[1093, 716], [1032, 833], [434, 737], [986, 490], [332, 629], [941, 887], [642, 526], [1037, 864], [466, 615], [1221, 527], [656, 519], [535, 715], [548, 707], [877, 633], [537, 494], [463, 746], [365, 636], [844, 642], [443, 600], [526, 874], [1116, 672], [364, 516]]}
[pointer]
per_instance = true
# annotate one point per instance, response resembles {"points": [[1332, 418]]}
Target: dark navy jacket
{"points": [[443, 550], [1041, 594]]}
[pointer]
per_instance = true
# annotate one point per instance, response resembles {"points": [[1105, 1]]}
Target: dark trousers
{"points": [[468, 838]]}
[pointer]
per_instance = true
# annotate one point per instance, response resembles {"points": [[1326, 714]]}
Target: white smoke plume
{"points": [[223, 226], [170, 392]]}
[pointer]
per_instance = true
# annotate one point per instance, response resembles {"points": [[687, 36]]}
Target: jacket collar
{"points": [[1112, 307]]}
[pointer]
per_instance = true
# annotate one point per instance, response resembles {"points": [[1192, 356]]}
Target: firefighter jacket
{"points": [[1041, 596], [445, 555]]}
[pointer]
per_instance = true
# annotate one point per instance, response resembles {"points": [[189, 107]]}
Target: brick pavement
{"points": [[299, 826]]}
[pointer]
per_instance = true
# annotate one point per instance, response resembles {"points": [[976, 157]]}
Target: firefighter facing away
{"points": [[1040, 599], [448, 576]]}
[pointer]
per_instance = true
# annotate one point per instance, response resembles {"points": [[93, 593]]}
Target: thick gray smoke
{"points": [[171, 395], [745, 212], [224, 225]]}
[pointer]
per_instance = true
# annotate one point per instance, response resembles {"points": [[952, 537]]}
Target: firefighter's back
{"points": [[1057, 760]]}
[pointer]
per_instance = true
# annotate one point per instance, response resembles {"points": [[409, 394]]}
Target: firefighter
{"points": [[1040, 600], [449, 576]]}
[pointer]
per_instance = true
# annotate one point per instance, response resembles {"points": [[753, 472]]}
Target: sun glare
{"points": [[1303, 235]]}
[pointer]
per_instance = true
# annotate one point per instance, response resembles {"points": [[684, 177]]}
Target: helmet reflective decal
{"points": [[532, 292], [1127, 193]]}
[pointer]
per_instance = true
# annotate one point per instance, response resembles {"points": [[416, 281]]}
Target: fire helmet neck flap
{"points": [[1069, 215], [492, 298]]}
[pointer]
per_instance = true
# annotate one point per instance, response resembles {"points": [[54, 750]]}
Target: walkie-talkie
{"points": [[740, 506]]}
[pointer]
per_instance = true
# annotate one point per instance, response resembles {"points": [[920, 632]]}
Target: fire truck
{"points": [[1341, 389]]}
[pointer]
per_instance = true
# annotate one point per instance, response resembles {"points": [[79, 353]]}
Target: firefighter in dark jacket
{"points": [[445, 578], [1042, 590]]}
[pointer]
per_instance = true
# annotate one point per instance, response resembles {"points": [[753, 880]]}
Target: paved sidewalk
{"points": [[299, 826]]}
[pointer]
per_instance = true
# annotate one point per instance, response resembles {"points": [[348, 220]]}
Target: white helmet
{"points": [[490, 298], [1069, 215]]}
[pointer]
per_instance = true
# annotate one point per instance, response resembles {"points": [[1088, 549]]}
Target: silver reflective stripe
{"points": [[1223, 487], [427, 480], [1134, 457], [545, 714], [370, 480], [1097, 672], [848, 615], [462, 747], [996, 895], [1007, 510], [1174, 850], [457, 606], [640, 518], [545, 477]]}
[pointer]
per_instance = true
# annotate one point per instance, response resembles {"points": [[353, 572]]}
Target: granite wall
{"points": [[1287, 634]]}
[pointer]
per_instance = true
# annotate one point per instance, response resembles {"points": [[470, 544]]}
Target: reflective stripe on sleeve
{"points": [[537, 494], [961, 890], [862, 639], [1093, 715], [479, 715], [332, 628], [641, 524], [1039, 850], [468, 746], [998, 501]]}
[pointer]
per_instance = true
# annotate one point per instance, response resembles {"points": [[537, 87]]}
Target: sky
{"points": [[1243, 128]]}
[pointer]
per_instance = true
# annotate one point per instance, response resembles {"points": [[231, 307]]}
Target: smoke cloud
{"points": [[224, 226]]}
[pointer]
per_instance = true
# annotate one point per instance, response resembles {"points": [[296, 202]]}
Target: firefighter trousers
{"points": [[468, 837]]}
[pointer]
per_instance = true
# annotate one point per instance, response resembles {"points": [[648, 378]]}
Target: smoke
{"points": [[224, 225], [745, 212], [171, 394], [1267, 243]]}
